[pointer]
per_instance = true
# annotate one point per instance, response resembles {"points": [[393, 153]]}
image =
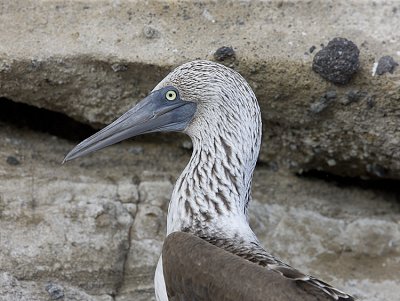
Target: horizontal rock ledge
{"points": [[92, 60]]}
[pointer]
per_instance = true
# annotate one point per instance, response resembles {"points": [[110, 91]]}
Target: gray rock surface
{"points": [[95, 227], [93, 59], [386, 64], [12, 289]]}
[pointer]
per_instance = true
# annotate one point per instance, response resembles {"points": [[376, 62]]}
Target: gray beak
{"points": [[158, 112]]}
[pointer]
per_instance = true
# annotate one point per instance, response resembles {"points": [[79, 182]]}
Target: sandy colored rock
{"points": [[156, 192], [67, 225], [92, 60], [12, 289], [71, 231]]}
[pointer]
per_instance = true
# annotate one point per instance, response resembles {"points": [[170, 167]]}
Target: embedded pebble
{"points": [[338, 61], [224, 53], [13, 161], [322, 103], [370, 102], [330, 95], [386, 64], [149, 32], [55, 291], [353, 96]]}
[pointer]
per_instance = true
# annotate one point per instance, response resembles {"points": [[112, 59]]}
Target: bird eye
{"points": [[170, 95]]}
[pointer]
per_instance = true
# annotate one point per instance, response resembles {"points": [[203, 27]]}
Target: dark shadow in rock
{"points": [[57, 124], [25, 116], [386, 185]]}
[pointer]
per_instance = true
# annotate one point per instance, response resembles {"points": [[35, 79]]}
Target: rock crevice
{"points": [[92, 61]]}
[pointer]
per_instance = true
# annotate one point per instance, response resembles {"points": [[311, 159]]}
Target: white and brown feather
{"points": [[211, 196]]}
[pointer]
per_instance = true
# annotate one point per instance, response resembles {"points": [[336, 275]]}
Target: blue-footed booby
{"points": [[210, 246]]}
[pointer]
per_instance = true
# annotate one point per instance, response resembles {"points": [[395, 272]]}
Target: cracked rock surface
{"points": [[93, 228], [92, 60]]}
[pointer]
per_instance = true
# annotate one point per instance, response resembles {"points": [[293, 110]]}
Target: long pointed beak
{"points": [[152, 114]]}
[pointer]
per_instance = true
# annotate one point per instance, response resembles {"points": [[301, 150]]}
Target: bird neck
{"points": [[213, 191]]}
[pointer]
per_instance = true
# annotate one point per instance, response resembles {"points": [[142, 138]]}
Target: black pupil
{"points": [[170, 95]]}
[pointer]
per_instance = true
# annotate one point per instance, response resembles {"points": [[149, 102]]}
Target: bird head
{"points": [[196, 98]]}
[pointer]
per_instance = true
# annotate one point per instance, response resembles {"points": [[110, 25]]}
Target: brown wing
{"points": [[195, 270]]}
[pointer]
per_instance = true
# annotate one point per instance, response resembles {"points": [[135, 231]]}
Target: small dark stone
{"points": [[330, 95], [322, 103], [55, 291], [319, 105], [35, 64], [312, 48], [353, 96], [187, 144], [150, 32], [370, 102], [386, 64], [224, 53], [13, 161], [338, 61]]}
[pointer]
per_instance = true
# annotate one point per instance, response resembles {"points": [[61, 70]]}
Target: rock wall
{"points": [[92, 229], [92, 60]]}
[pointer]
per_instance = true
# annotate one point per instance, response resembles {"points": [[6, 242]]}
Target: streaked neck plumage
{"points": [[216, 107], [211, 196]]}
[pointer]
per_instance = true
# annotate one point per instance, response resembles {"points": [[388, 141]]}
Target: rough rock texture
{"points": [[92, 229], [12, 289], [386, 64], [338, 61], [93, 59], [224, 53]]}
